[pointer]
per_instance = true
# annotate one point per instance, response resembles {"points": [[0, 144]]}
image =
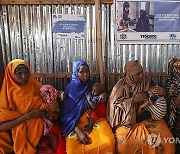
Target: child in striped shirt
{"points": [[154, 107]]}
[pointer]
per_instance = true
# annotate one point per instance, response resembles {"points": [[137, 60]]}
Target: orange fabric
{"points": [[16, 100], [136, 139], [101, 137]]}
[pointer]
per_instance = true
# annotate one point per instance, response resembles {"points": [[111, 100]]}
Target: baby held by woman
{"points": [[49, 94]]}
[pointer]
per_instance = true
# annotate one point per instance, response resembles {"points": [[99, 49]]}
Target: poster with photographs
{"points": [[148, 20]]}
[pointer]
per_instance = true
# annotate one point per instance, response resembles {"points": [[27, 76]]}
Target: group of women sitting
{"points": [[32, 122]]}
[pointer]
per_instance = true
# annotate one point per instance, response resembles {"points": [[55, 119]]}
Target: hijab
{"points": [[123, 93], [75, 103], [17, 100], [50, 92]]}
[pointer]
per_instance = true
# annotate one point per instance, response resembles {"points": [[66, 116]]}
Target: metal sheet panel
{"points": [[26, 32]]}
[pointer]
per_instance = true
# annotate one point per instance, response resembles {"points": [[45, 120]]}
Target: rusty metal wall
{"points": [[26, 32]]}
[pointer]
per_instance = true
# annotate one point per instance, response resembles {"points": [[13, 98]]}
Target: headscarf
{"points": [[131, 68], [143, 22], [17, 100], [173, 88], [75, 103], [50, 92], [123, 92]]}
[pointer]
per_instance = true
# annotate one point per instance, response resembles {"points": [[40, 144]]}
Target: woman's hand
{"points": [[37, 113], [140, 110], [81, 136], [61, 95], [159, 91], [140, 97], [88, 97]]}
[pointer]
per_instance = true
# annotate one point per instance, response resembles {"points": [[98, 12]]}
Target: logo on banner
{"points": [[172, 36], [145, 36], [123, 36]]}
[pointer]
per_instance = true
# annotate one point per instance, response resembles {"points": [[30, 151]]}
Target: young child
{"points": [[155, 107], [49, 94], [52, 133], [97, 101]]}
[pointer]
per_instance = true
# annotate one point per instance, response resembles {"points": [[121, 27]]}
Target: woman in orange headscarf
{"points": [[22, 112], [148, 137]]}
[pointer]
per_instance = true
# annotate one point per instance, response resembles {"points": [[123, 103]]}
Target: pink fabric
{"points": [[51, 96], [51, 93]]}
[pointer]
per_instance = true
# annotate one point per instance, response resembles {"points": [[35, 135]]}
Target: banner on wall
{"points": [[69, 26], [148, 20]]}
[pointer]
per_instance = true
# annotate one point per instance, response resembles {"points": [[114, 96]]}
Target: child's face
{"points": [[95, 91], [43, 96], [150, 92], [53, 111]]}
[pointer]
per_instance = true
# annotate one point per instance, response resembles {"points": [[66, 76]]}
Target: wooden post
{"points": [[99, 39]]}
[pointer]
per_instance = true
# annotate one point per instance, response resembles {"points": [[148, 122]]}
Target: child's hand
{"points": [[88, 97], [159, 91], [103, 97], [61, 95], [139, 97]]}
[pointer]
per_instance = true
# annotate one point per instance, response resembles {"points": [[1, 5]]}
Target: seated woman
{"points": [[74, 111], [173, 91], [22, 112], [127, 95]]}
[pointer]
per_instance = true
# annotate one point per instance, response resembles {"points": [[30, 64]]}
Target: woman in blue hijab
{"points": [[74, 114]]}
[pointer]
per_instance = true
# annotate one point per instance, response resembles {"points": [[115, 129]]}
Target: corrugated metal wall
{"points": [[26, 32]]}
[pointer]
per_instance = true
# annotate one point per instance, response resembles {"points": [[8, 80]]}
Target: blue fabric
{"points": [[75, 103], [94, 99]]}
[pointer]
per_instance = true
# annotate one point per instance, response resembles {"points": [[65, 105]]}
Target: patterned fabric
{"points": [[53, 142], [50, 92], [158, 108], [173, 89], [121, 111], [94, 99]]}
